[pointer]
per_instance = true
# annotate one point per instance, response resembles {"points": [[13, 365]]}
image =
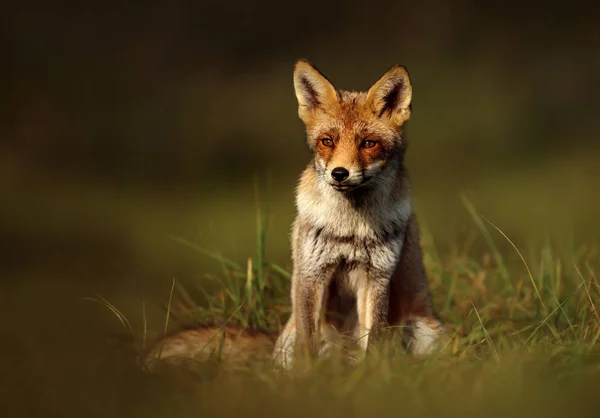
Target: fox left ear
{"points": [[313, 91], [391, 96]]}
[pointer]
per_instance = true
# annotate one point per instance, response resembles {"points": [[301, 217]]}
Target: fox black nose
{"points": [[339, 174]]}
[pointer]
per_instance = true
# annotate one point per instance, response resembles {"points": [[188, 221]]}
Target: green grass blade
{"points": [[212, 254]]}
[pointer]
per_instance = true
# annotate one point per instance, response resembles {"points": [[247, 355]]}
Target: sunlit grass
{"points": [[521, 338]]}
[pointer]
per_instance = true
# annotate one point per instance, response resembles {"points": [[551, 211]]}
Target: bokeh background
{"points": [[124, 123]]}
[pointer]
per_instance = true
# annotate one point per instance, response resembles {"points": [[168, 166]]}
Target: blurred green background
{"points": [[124, 123]]}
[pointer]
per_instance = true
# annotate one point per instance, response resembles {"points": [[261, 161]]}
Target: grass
{"points": [[522, 334], [462, 285]]}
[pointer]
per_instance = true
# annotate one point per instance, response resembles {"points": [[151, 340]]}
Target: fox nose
{"points": [[339, 174]]}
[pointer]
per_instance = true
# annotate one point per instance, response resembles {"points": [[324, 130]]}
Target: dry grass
{"points": [[522, 339]]}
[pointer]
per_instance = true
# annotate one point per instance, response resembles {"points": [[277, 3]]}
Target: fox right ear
{"points": [[313, 90], [391, 95]]}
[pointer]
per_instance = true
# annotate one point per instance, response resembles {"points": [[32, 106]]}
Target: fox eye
{"points": [[368, 143], [328, 142]]}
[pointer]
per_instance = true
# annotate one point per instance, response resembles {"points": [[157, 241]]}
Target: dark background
{"points": [[123, 123]]}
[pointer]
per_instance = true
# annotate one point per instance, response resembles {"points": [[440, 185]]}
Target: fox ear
{"points": [[313, 90], [391, 95]]}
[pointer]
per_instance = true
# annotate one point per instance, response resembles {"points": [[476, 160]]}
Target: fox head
{"points": [[356, 137]]}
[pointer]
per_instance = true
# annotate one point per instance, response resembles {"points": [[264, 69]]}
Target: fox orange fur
{"points": [[228, 343]]}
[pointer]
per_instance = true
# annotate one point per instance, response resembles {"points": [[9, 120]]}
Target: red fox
{"points": [[355, 242]]}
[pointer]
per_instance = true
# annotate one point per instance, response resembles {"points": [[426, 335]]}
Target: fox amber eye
{"points": [[369, 143], [327, 142]]}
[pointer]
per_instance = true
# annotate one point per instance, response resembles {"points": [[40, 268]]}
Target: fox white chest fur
{"points": [[355, 244], [336, 231]]}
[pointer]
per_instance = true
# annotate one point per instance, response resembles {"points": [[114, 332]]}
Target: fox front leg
{"points": [[309, 299], [373, 302]]}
